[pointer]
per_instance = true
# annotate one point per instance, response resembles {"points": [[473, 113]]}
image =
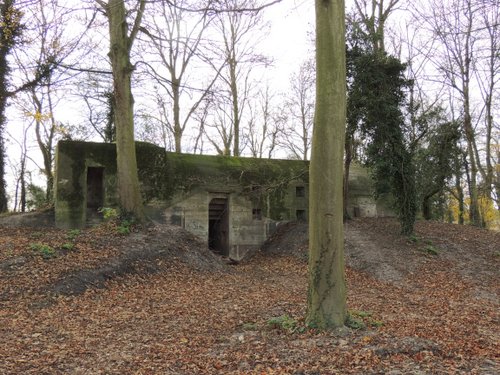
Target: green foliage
{"points": [[354, 322], [375, 99], [72, 234], [68, 246], [44, 250], [435, 162], [427, 245], [124, 227], [36, 197], [361, 320], [286, 323], [430, 249], [109, 213], [123, 221], [413, 238]]}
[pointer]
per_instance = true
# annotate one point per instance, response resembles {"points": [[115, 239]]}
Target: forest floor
{"points": [[157, 301]]}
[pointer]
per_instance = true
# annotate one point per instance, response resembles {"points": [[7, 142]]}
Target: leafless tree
{"points": [[121, 40], [487, 72], [175, 35], [457, 26], [374, 14], [264, 125], [19, 167], [239, 30], [299, 112], [49, 46]]}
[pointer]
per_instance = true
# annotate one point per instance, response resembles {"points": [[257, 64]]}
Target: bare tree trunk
{"points": [[327, 291], [236, 109], [474, 214], [176, 109], [128, 180]]}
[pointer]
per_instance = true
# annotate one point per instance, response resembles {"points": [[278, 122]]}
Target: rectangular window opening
{"points": [[257, 214], [300, 191]]}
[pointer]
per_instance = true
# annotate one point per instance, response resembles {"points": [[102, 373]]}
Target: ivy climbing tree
{"points": [[382, 124], [10, 31], [376, 99]]}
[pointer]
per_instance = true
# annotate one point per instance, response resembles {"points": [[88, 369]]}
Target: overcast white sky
{"points": [[289, 41]]}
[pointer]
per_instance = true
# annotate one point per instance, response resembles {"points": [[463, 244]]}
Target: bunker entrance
{"points": [[95, 187], [218, 226]]}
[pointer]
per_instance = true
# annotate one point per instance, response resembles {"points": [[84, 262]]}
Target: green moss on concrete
{"points": [[162, 174], [262, 180]]}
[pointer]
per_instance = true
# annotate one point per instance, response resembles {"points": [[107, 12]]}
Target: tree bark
{"points": [[235, 101], [327, 291], [120, 46], [10, 29]]}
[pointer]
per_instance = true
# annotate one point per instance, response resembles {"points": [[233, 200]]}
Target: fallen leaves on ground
{"points": [[180, 318]]}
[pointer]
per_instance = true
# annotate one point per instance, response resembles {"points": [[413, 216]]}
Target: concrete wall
{"points": [[246, 230]]}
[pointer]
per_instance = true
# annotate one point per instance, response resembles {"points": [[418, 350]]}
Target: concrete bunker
{"points": [[234, 204]]}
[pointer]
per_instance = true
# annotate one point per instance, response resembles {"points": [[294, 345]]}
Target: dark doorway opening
{"points": [[95, 187], [301, 215], [218, 226]]}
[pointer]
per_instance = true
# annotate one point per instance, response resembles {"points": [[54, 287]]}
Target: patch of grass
{"points": [[123, 221], [44, 250]]}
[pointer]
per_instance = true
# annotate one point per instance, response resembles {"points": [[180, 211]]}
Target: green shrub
{"points": [[124, 227], [44, 250], [68, 246], [286, 323], [355, 323], [109, 213], [361, 319], [72, 234], [413, 238]]}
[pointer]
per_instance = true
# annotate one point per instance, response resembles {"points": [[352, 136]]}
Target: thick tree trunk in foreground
{"points": [[121, 43], [327, 292]]}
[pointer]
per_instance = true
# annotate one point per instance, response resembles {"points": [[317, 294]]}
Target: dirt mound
{"points": [[376, 247], [289, 239], [143, 252], [35, 219], [50, 262], [363, 250]]}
